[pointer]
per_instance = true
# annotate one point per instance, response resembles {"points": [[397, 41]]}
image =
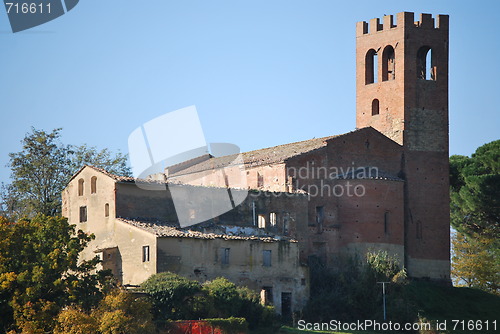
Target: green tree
{"points": [[39, 173], [41, 170], [475, 214], [84, 155], [40, 273], [475, 185]]}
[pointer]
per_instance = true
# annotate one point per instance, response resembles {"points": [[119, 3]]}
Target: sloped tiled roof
{"points": [[172, 230], [105, 172], [265, 156], [113, 176], [118, 178]]}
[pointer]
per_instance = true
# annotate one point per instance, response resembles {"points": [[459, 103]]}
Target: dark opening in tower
{"points": [[426, 67], [371, 69], [388, 64], [375, 107]]}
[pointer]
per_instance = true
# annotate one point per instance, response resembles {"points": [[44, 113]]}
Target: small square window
{"points": [[83, 214], [145, 253]]}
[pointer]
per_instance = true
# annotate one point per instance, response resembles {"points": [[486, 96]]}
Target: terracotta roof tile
{"points": [[265, 156], [169, 229]]}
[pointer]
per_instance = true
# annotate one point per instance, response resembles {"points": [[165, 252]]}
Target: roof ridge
{"points": [[264, 156]]}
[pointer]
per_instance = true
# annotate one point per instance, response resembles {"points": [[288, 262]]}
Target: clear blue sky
{"points": [[261, 73]]}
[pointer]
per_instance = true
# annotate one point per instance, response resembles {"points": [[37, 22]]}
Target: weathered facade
{"points": [[383, 186], [402, 205], [408, 103], [136, 236]]}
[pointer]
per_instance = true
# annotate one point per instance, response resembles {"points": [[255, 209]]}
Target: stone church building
{"points": [[383, 186]]}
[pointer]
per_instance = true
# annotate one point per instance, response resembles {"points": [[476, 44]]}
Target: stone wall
{"points": [[202, 260]]}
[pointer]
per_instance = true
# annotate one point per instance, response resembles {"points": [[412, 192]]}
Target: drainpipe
{"points": [[253, 211]]}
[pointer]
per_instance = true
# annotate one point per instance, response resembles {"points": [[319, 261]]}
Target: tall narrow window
{"points": [[426, 65], [80, 187], [375, 107], [266, 295], [273, 219], [371, 67], [266, 258], [319, 218], [106, 210], [386, 222], [286, 222], [93, 185], [419, 229], [388, 64], [83, 214], [262, 221], [260, 180], [286, 305], [145, 253], [225, 256]]}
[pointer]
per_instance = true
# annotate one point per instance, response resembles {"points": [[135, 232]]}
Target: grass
{"points": [[442, 303], [289, 330]]}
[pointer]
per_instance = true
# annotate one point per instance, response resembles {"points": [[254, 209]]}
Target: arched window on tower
{"points": [[371, 67], [388, 64], [375, 107], [426, 64]]}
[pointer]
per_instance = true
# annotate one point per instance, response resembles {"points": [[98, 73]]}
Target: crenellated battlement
{"points": [[404, 19]]}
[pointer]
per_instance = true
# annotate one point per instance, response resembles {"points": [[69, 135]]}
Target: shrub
{"points": [[224, 298], [178, 298], [119, 312], [122, 312], [173, 296], [75, 321]]}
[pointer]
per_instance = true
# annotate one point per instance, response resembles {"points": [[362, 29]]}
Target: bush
{"points": [[75, 321], [173, 296], [118, 312], [122, 312], [225, 299], [178, 298]]}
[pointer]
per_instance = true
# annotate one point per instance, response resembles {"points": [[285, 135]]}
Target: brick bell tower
{"points": [[402, 91]]}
